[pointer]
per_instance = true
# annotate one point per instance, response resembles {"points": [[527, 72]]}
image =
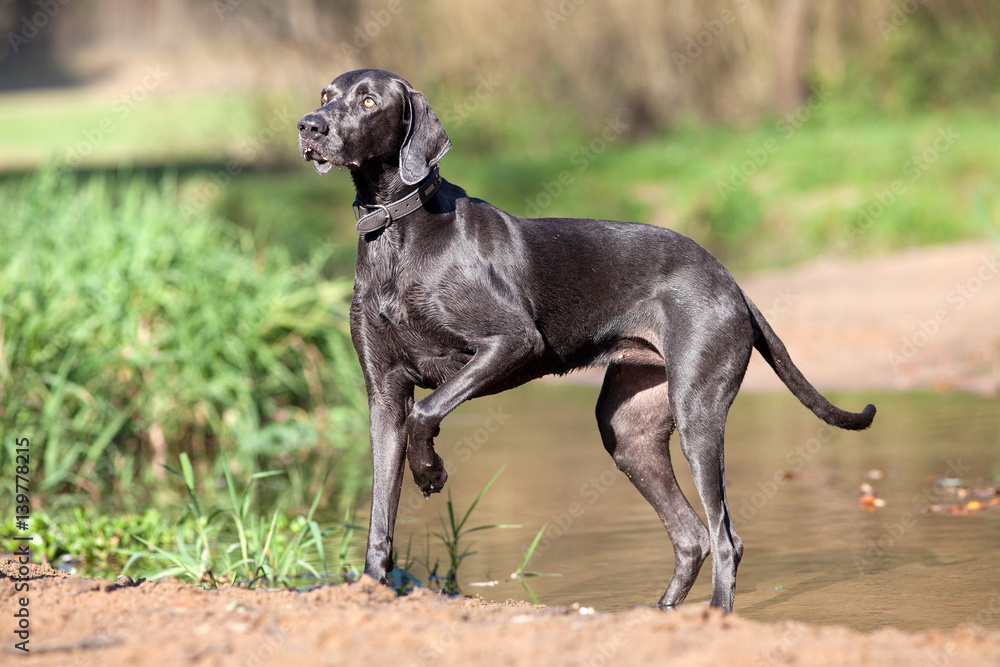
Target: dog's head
{"points": [[370, 117]]}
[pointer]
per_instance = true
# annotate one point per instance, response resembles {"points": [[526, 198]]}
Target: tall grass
{"points": [[130, 332]]}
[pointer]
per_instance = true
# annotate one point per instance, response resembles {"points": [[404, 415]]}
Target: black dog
{"points": [[455, 295]]}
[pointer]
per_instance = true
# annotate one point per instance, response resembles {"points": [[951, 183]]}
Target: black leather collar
{"points": [[382, 216]]}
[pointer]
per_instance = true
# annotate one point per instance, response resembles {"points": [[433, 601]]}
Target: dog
{"points": [[454, 295]]}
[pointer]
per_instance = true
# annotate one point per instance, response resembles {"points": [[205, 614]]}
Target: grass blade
{"points": [[519, 572], [477, 499]]}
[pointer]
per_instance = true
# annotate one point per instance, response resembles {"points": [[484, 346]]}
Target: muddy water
{"points": [[813, 552]]}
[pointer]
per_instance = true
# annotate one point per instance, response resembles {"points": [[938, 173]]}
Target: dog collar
{"points": [[382, 216]]}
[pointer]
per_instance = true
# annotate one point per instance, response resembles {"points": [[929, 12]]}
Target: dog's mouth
{"points": [[320, 163]]}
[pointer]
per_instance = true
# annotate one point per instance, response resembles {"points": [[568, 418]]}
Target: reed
{"points": [[133, 330]]}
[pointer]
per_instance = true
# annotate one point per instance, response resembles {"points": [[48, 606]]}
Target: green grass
{"points": [[454, 537], [142, 127], [134, 329], [454, 534], [520, 574], [237, 544], [212, 541], [218, 539], [85, 539]]}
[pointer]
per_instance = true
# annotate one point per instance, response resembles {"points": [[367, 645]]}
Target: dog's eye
{"points": [[325, 98], [369, 102]]}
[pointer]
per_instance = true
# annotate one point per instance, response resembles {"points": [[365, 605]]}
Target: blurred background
{"points": [[690, 91], [174, 280]]}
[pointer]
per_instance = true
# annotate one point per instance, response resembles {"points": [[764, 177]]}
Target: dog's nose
{"points": [[313, 125]]}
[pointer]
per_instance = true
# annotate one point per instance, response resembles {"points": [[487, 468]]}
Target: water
{"points": [[813, 553]]}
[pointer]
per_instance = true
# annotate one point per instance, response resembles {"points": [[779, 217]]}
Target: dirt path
{"points": [[80, 621], [927, 318]]}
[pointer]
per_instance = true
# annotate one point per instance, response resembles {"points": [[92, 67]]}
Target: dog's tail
{"points": [[774, 352]]}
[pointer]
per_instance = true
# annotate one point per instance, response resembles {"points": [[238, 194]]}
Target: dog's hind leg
{"points": [[635, 421], [709, 359]]}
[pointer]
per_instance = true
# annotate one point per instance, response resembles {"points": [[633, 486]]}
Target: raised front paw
{"points": [[430, 476]]}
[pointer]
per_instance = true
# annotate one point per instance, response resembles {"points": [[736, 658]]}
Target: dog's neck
{"points": [[380, 184], [384, 208]]}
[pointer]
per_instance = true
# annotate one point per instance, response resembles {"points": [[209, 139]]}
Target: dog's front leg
{"points": [[495, 358], [387, 418]]}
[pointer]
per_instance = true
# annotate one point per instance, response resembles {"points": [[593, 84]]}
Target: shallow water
{"points": [[812, 552]]}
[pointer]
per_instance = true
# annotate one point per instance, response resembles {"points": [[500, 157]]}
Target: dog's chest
{"points": [[406, 332]]}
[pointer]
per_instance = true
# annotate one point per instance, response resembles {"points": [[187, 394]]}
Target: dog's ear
{"points": [[426, 141]]}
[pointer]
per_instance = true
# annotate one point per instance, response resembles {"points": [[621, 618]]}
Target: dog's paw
{"points": [[430, 477]]}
